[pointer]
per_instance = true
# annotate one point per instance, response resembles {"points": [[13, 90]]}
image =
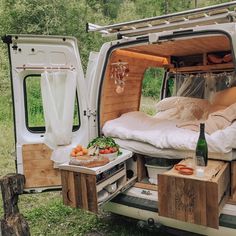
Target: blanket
{"points": [[163, 133], [218, 120]]}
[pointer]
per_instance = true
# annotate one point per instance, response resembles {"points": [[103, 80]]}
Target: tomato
{"points": [[102, 151], [110, 150], [106, 151]]}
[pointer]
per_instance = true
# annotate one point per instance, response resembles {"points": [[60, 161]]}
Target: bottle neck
{"points": [[202, 130]]}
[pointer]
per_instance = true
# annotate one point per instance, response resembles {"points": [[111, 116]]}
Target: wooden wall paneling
{"points": [[215, 67], [185, 47], [38, 168], [112, 104]]}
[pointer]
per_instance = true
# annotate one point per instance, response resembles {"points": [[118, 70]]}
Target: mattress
{"points": [[144, 134], [152, 151]]}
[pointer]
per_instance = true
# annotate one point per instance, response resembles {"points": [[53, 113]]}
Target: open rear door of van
{"points": [[30, 58]]}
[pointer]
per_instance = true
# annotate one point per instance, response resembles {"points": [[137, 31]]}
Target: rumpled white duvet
{"points": [[164, 134]]}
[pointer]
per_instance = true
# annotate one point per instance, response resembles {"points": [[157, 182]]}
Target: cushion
{"points": [[184, 108], [225, 97]]}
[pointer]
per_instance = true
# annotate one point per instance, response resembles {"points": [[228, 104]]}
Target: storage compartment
{"points": [[89, 188], [154, 171], [193, 199], [183, 61]]}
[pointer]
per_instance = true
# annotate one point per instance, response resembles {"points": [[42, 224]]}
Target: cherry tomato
{"points": [[106, 151], [102, 151]]}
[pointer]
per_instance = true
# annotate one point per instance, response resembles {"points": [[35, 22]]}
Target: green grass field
{"points": [[45, 211]]}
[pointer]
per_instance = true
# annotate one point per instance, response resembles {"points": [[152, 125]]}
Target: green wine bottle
{"points": [[201, 148]]}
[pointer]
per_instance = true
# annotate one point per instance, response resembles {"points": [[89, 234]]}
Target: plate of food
{"points": [[104, 147], [81, 156]]}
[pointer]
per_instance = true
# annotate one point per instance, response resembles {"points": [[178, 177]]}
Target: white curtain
{"points": [[58, 94]]}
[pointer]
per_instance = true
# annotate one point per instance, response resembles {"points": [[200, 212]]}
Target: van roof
{"points": [[221, 13]]}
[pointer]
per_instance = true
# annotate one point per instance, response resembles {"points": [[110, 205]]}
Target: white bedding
{"points": [[152, 151], [164, 134]]}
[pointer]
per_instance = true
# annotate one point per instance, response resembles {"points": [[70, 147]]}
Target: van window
{"points": [[202, 85], [151, 89], [34, 115]]}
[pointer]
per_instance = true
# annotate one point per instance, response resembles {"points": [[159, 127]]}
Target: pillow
{"points": [[186, 108], [225, 97], [167, 103]]}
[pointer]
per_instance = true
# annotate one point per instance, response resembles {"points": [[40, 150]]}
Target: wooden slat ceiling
{"points": [[185, 47]]}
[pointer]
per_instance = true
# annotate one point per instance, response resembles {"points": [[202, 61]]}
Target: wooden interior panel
{"points": [[233, 183], [112, 104], [184, 47], [192, 199], [38, 168]]}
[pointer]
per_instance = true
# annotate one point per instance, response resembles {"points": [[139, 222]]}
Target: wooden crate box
{"points": [[192, 199]]}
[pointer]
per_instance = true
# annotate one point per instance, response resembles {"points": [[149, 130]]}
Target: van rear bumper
{"points": [[142, 209]]}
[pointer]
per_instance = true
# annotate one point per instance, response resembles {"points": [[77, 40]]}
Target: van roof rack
{"points": [[215, 14]]}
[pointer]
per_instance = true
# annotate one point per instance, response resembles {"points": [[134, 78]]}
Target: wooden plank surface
{"points": [[185, 47], [200, 203], [69, 188], [192, 199], [180, 200], [233, 183], [211, 170], [152, 187], [204, 68], [141, 170], [92, 193], [212, 208], [38, 168], [223, 181]]}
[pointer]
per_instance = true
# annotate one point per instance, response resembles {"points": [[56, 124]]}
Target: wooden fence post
{"points": [[13, 223]]}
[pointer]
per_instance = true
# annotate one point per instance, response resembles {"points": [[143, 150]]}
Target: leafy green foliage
{"points": [[152, 82], [102, 142]]}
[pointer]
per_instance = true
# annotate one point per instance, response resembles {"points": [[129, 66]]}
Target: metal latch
{"points": [[90, 113]]}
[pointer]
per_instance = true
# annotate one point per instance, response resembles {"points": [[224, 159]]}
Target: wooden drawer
{"points": [[192, 199], [81, 185]]}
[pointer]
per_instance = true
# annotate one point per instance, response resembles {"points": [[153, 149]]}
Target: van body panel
{"points": [[30, 56]]}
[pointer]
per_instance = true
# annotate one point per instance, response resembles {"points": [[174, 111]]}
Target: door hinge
{"points": [[7, 39], [90, 113]]}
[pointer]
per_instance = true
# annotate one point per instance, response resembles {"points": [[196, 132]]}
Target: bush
{"points": [[152, 82]]}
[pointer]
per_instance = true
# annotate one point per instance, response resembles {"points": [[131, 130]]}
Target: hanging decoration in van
{"points": [[119, 72]]}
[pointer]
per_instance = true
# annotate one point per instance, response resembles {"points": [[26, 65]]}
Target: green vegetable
{"points": [[103, 142]]}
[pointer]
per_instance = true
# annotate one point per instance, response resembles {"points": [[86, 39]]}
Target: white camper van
{"points": [[196, 51]]}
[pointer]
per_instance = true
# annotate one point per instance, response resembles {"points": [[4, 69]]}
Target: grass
{"points": [[45, 211], [148, 105]]}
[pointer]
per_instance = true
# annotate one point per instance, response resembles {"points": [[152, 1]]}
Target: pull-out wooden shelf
{"points": [[193, 199], [81, 185]]}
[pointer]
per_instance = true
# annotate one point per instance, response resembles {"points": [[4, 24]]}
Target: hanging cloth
{"points": [[58, 94]]}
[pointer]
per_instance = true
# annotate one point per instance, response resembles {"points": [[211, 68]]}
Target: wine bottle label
{"points": [[200, 161]]}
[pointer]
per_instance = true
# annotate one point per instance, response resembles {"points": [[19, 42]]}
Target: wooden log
{"points": [[14, 223]]}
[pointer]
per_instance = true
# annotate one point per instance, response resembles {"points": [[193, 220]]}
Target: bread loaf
{"points": [[89, 161]]}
